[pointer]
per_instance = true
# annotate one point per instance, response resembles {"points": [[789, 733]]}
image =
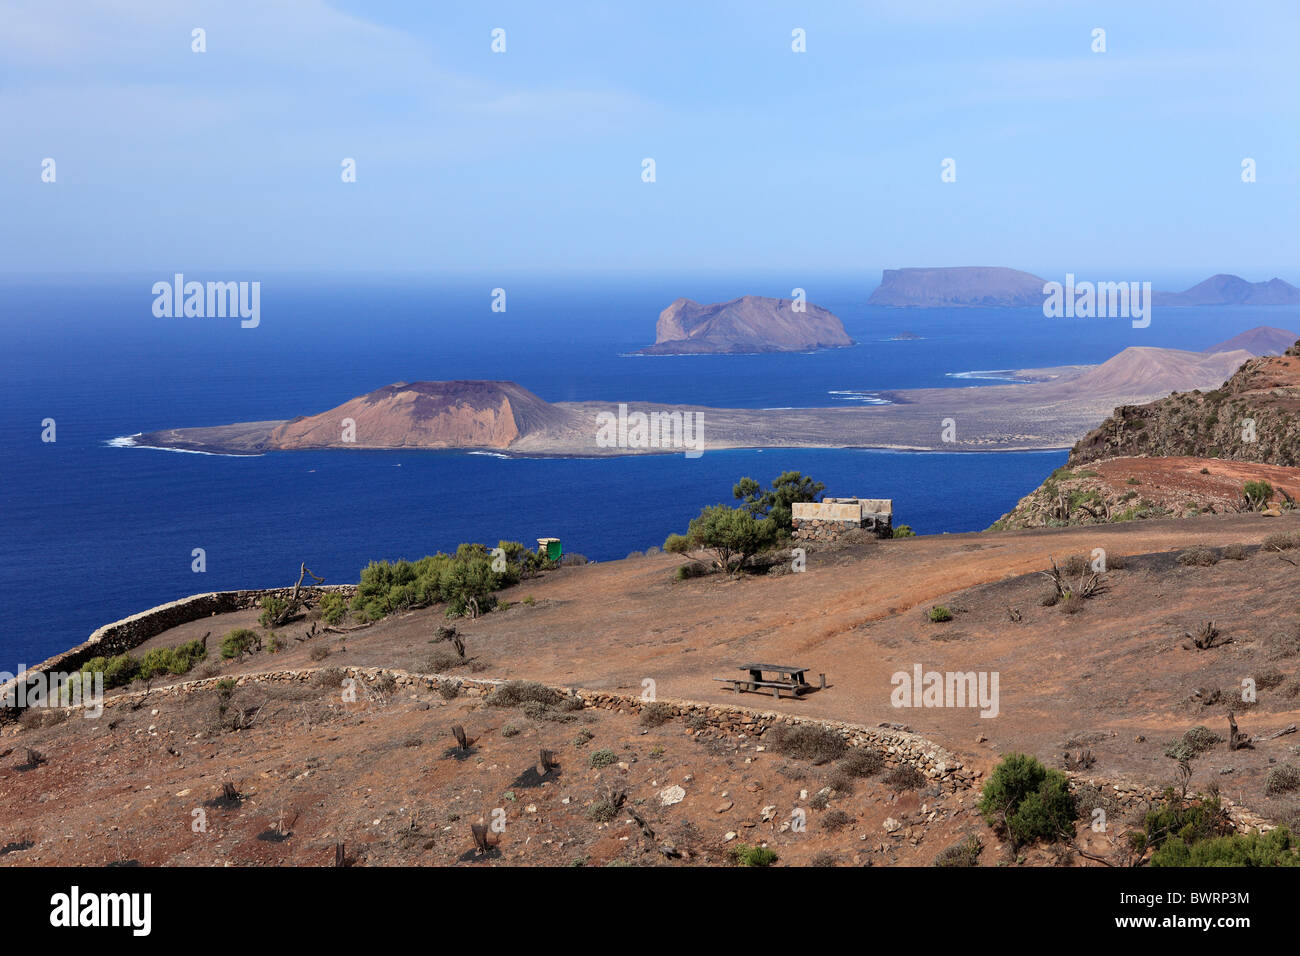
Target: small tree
{"points": [[731, 533], [788, 488]]}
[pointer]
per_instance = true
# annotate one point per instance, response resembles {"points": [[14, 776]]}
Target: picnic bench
{"points": [[775, 677]]}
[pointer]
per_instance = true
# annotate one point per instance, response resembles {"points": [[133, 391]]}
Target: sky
{"points": [[1122, 164]]}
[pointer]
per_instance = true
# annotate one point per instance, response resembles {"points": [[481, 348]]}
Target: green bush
{"points": [[602, 758], [742, 854], [904, 531], [332, 607], [677, 544], [1187, 820], [240, 641], [465, 581], [272, 607], [117, 671], [1257, 493], [1275, 848], [939, 613], [172, 660], [1026, 801]]}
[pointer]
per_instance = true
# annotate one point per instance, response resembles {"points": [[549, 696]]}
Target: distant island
{"points": [[1046, 408], [970, 286], [997, 287], [748, 325], [1232, 290]]}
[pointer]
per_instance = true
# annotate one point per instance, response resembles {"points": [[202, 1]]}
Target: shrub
{"points": [[693, 570], [171, 660], [240, 641], [318, 652], [1026, 801], [1185, 820], [1282, 779], [654, 714], [332, 607], [1198, 557], [515, 693], [1075, 565], [440, 661], [836, 820], [1281, 541], [1275, 848], [1133, 481], [602, 811], [939, 613], [1200, 739], [677, 544], [602, 758], [806, 742], [1088, 798], [1234, 552], [862, 762], [1071, 604], [744, 855], [965, 853], [117, 671], [1048, 599], [1257, 493], [903, 531], [904, 777], [272, 608], [450, 690], [328, 677]]}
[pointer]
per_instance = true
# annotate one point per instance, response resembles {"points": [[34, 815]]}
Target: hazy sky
{"points": [[1127, 161]]}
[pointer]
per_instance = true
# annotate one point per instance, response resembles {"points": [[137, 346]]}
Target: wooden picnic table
{"points": [[782, 677]]}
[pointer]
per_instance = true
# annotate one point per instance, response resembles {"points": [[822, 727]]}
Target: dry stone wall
{"points": [[130, 632]]}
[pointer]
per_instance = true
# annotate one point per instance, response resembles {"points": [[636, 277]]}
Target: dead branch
{"points": [[1236, 739], [295, 600], [1259, 738]]}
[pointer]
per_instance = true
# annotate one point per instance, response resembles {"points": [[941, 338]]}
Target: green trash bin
{"points": [[550, 547]]}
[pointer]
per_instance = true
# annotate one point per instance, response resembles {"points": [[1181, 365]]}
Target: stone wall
{"points": [[829, 518], [130, 632]]}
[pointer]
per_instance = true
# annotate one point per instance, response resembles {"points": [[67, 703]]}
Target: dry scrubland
{"points": [[1115, 678]]}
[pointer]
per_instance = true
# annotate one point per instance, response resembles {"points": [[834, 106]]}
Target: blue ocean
{"points": [[93, 532]]}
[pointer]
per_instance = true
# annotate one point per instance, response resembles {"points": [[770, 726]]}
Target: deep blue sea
{"points": [[93, 532]]}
